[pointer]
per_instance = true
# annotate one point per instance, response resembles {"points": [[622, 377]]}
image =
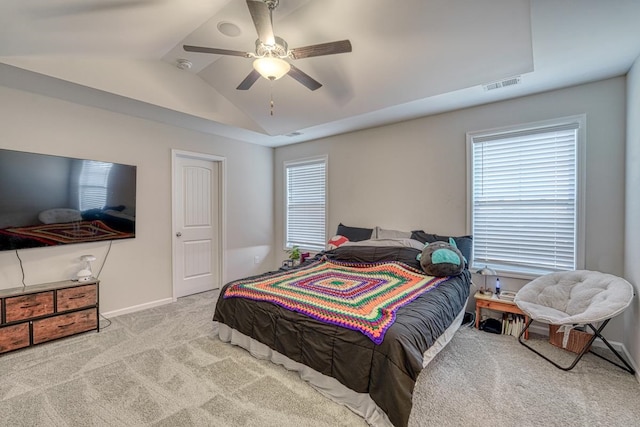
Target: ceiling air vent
{"points": [[503, 83]]}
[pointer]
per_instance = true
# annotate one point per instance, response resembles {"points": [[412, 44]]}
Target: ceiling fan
{"points": [[271, 51]]}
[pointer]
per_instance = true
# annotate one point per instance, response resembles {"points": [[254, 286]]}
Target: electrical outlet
{"points": [[256, 259]]}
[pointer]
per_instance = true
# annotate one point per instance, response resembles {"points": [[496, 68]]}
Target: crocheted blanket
{"points": [[362, 297]]}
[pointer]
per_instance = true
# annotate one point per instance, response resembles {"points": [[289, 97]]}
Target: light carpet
{"points": [[165, 367]]}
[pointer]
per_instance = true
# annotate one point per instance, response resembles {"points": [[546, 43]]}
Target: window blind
{"points": [[306, 204], [524, 207]]}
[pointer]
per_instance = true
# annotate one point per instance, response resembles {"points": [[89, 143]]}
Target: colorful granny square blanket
{"points": [[362, 297]]}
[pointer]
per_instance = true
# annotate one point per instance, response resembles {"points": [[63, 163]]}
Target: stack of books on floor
{"points": [[512, 324]]}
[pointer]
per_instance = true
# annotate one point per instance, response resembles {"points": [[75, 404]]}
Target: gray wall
{"points": [[412, 175], [138, 271], [632, 241]]}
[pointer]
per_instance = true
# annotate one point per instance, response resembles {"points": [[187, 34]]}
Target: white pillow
{"points": [[382, 233]]}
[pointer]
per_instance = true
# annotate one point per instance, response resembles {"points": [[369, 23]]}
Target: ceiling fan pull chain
{"points": [[271, 98]]}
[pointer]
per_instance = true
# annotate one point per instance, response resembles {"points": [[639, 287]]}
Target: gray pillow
{"points": [[381, 233], [407, 243]]}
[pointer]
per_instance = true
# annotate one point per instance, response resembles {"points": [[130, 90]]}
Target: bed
{"points": [[371, 371]]}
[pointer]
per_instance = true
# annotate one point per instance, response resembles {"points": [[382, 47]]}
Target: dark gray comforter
{"points": [[387, 372]]}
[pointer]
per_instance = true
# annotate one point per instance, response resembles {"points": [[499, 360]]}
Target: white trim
{"points": [[581, 149], [222, 217], [313, 159], [139, 307]]}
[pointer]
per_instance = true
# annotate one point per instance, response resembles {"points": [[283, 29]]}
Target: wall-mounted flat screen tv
{"points": [[51, 200]]}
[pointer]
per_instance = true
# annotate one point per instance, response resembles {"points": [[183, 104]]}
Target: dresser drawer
{"points": [[14, 337], [28, 306], [64, 325], [78, 297]]}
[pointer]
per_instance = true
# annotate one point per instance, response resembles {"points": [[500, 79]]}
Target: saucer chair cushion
{"points": [[575, 297]]}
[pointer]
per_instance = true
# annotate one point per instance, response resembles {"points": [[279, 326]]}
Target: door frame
{"points": [[222, 212]]}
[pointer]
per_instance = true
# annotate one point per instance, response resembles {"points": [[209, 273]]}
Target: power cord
{"points": [[105, 259], [24, 285], [107, 320], [469, 319], [98, 275]]}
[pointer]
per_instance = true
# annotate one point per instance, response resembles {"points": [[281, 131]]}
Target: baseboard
{"points": [[543, 329], [632, 362], [539, 329], [139, 307]]}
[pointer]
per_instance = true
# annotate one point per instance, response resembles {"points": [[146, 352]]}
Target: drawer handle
{"points": [[64, 326], [78, 296]]}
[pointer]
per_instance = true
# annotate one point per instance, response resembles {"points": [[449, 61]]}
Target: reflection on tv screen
{"points": [[51, 200]]}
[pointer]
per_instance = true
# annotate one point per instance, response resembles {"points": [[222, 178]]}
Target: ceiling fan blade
{"points": [[201, 49], [261, 16], [302, 77], [249, 80], [331, 48]]}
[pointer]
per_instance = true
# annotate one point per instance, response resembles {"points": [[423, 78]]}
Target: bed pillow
{"points": [[375, 254], [354, 234], [407, 243], [441, 259], [464, 243], [381, 233]]}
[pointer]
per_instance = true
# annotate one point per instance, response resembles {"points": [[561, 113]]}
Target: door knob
{"points": [[178, 234]]}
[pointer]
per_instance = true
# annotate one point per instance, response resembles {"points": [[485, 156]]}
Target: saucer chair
{"points": [[576, 298]]}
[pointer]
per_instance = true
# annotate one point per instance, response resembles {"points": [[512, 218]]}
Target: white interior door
{"points": [[197, 241]]}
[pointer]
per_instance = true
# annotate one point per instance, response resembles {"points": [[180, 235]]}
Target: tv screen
{"points": [[51, 200]]}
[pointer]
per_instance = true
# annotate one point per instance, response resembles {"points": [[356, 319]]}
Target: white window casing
{"points": [[526, 204], [306, 203]]}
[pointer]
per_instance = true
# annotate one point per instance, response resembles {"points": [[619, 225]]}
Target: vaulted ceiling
{"points": [[410, 58]]}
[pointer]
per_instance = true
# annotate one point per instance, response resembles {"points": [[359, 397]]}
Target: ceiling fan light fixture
{"points": [[271, 68]]}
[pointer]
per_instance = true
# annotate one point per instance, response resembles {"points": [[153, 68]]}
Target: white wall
{"points": [[632, 231], [412, 175], [137, 271]]}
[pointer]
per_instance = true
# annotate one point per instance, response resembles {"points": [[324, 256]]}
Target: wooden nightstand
{"points": [[492, 302]]}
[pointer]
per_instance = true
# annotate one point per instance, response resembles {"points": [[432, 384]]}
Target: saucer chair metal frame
{"points": [[586, 349], [534, 296]]}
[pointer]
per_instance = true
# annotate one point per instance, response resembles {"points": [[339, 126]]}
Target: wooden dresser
{"points": [[36, 314]]}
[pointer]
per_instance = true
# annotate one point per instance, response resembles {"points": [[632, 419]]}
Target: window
{"points": [[306, 206], [526, 204]]}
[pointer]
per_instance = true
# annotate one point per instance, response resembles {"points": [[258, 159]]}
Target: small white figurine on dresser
{"points": [[86, 274]]}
